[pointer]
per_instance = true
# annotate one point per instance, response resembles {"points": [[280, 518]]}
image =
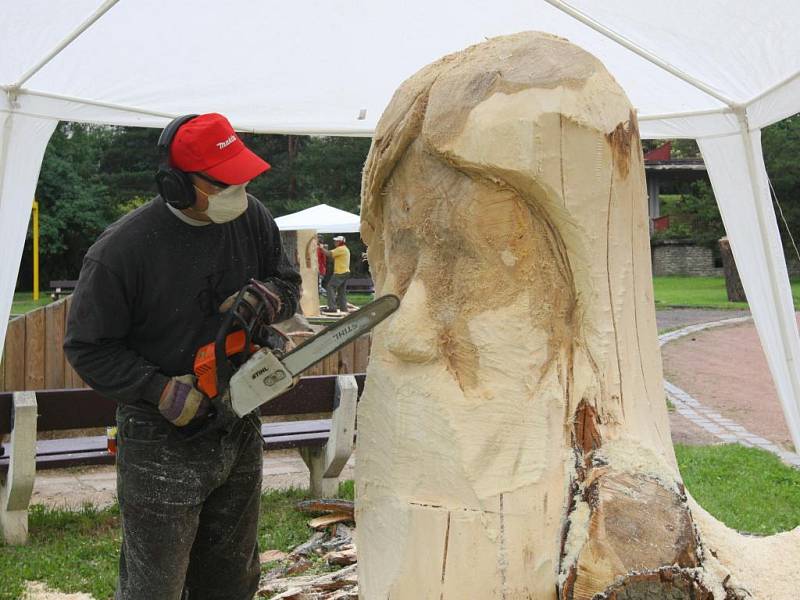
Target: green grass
{"points": [[360, 299], [23, 302], [78, 551], [700, 292], [70, 551], [748, 489]]}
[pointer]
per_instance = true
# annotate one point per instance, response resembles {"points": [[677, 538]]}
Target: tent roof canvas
{"points": [[323, 218], [331, 67]]}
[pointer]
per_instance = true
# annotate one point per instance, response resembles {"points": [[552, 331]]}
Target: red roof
{"points": [[661, 153]]}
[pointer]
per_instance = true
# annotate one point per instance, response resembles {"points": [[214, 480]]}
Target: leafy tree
{"points": [[685, 149], [329, 171], [92, 175], [309, 170], [74, 204], [277, 189], [695, 216], [781, 146], [128, 164]]}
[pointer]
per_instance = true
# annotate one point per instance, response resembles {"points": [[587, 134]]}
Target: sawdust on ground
{"points": [[36, 590]]}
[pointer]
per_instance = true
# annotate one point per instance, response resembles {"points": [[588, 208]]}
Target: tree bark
{"points": [[513, 435], [733, 283]]}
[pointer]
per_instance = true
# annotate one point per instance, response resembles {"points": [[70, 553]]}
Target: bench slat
{"points": [[84, 408], [71, 445], [63, 283], [77, 459], [295, 427], [284, 442], [92, 450]]}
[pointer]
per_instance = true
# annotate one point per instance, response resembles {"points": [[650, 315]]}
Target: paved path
{"points": [[674, 318], [708, 417], [725, 370], [72, 488]]}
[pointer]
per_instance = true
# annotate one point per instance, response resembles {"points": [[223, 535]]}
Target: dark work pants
{"points": [[189, 511], [336, 291]]}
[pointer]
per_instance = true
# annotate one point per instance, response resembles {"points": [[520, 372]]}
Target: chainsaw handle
{"points": [[233, 319], [224, 369]]}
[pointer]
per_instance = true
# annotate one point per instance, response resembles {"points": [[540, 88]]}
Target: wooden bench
{"points": [[61, 287], [362, 285], [324, 444]]}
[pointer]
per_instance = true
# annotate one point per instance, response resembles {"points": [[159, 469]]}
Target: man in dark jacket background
{"points": [[148, 296]]}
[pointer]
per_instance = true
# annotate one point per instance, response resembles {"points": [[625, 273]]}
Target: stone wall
{"points": [[683, 257]]}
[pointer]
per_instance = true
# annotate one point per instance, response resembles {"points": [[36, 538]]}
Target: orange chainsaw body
{"points": [[205, 362]]}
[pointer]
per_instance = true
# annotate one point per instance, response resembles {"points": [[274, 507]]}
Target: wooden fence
{"points": [[33, 357]]}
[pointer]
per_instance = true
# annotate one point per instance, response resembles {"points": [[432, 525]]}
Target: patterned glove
{"points": [[268, 292], [181, 401]]}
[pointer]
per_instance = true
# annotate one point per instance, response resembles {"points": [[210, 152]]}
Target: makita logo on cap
{"points": [[226, 143]]}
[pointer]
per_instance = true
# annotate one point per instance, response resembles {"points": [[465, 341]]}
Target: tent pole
{"points": [[639, 51], [770, 90], [785, 328], [103, 9], [691, 113]]}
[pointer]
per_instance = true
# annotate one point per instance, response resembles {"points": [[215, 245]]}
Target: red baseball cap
{"points": [[209, 144]]}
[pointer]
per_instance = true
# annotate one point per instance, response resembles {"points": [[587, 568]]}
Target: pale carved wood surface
{"points": [[513, 435]]}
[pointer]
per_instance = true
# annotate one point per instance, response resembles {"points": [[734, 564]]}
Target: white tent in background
{"points": [[718, 71], [323, 218]]}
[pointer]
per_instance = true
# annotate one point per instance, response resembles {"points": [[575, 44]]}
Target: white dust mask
{"points": [[228, 204]]}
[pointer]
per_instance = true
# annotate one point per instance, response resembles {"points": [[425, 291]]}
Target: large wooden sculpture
{"points": [[513, 440]]}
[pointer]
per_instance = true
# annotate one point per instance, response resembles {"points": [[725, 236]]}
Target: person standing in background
{"points": [[322, 265], [336, 288]]}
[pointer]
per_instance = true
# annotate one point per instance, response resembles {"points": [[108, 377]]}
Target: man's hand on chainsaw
{"points": [[270, 296], [181, 402]]}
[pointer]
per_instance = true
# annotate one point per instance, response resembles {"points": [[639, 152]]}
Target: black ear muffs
{"points": [[173, 184]]}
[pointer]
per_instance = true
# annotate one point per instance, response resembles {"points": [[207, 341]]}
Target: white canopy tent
{"points": [[323, 218], [718, 71]]}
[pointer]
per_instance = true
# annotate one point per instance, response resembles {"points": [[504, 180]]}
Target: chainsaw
{"points": [[248, 365]]}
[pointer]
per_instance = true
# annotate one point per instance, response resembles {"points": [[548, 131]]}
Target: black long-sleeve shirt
{"points": [[149, 290]]}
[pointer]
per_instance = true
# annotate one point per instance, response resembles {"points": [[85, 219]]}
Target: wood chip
{"points": [[290, 594], [349, 594], [271, 556], [301, 566], [277, 586], [340, 578], [337, 544], [344, 531], [312, 544], [342, 557], [340, 585], [326, 505], [326, 520]]}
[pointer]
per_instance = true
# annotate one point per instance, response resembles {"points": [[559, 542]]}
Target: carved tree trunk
{"points": [[301, 250], [513, 435], [733, 283]]}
